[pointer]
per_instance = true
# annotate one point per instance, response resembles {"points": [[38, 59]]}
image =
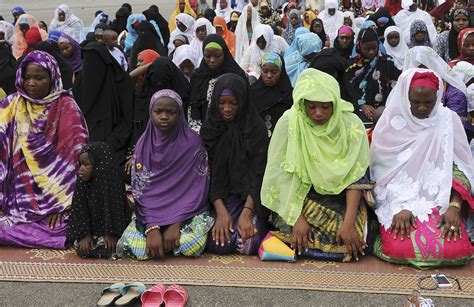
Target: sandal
{"points": [[153, 297], [110, 294], [130, 293], [175, 296]]}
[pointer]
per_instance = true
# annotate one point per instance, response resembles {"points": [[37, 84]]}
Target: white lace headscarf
{"points": [[412, 159]]}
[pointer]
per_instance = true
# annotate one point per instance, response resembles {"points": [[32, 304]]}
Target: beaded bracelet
{"points": [[151, 228]]}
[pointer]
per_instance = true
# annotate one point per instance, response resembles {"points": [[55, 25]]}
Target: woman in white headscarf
{"points": [[262, 37], [184, 26], [247, 23], [396, 48], [8, 31], [202, 28], [65, 21], [332, 18], [408, 15], [223, 11], [423, 169], [185, 58]]}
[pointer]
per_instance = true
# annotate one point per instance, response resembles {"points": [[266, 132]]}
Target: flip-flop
{"points": [[175, 296], [130, 293], [153, 297], [110, 294]]}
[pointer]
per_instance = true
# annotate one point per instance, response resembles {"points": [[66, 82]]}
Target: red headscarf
{"points": [[394, 6], [32, 38], [148, 56], [427, 79], [461, 39]]}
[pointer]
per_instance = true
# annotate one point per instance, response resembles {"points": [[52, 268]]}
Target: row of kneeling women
{"points": [[313, 179]]}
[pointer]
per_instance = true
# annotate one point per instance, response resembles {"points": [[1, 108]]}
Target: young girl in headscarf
{"points": [[317, 27], [169, 185], [65, 21], [316, 173], [236, 140], [465, 41], [272, 91], [224, 9], [71, 52], [395, 46], [372, 74], [185, 26], [293, 24], [268, 16], [262, 42], [419, 35], [202, 28], [344, 42], [446, 43], [99, 211], [25, 22], [185, 59], [222, 30]]}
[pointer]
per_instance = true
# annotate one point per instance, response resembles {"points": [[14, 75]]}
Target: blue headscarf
{"points": [[54, 35], [295, 63], [17, 11], [293, 48], [132, 34]]}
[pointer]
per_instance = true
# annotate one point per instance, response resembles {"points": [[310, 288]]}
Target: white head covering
{"points": [[399, 52], [405, 18], [188, 21], [412, 159], [423, 55], [196, 44], [8, 29], [71, 25], [267, 32], [241, 36], [349, 14], [183, 53], [332, 23], [406, 4], [94, 23], [465, 72], [224, 12]]}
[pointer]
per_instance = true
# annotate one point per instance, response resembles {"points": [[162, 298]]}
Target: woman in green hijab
{"points": [[315, 175]]}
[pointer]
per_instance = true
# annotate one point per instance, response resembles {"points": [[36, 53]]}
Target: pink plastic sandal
{"points": [[175, 296], [153, 297]]}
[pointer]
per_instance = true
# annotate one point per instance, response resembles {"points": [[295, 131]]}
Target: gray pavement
{"points": [[54, 294], [84, 9]]}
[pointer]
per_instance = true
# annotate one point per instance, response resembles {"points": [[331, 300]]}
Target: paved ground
{"points": [[84, 9], [45, 294]]}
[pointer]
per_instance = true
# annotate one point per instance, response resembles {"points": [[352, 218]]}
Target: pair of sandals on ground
{"points": [[124, 295]]}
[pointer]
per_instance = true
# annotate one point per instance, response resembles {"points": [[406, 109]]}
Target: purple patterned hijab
{"points": [[76, 59], [48, 62], [170, 171]]}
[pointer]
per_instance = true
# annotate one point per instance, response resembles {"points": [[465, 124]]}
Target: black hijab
{"points": [[322, 35], [120, 22], [99, 206], [64, 67], [202, 75], [238, 149], [147, 39], [162, 74], [330, 62], [453, 34], [382, 12], [8, 68], [128, 7], [210, 14], [153, 14], [266, 98]]}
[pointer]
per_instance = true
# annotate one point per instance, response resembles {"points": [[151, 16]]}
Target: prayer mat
{"points": [[369, 275]]}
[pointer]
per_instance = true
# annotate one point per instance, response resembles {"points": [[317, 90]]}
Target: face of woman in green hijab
{"points": [[318, 112]]}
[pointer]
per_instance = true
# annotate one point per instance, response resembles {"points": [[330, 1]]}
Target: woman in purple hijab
{"points": [[170, 181], [71, 51]]}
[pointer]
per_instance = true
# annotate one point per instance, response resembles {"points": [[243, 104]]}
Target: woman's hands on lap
{"points": [[353, 242], [402, 223], [223, 226], [155, 244], [301, 235], [171, 237], [452, 222]]}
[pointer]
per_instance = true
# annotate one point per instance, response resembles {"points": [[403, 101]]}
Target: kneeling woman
{"points": [[169, 185], [424, 174], [317, 161], [237, 140]]}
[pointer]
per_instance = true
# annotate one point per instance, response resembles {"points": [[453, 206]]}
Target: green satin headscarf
{"points": [[329, 157]]}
